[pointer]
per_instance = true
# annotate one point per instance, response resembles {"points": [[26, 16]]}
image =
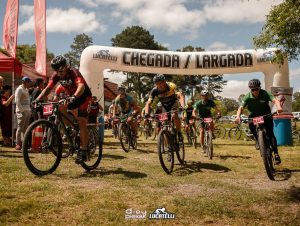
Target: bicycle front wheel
{"points": [[124, 133], [165, 152], [235, 133], [94, 154], [42, 147], [266, 154], [220, 132], [180, 152], [209, 145]]}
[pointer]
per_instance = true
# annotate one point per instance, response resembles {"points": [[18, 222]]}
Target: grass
{"points": [[230, 189]]}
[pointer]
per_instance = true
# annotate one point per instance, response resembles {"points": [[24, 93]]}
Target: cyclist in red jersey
{"points": [[75, 85]]}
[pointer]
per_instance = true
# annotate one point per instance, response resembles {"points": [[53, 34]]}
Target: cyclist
{"points": [[167, 95], [257, 102], [187, 115], [93, 110], [203, 107], [127, 106], [75, 85]]}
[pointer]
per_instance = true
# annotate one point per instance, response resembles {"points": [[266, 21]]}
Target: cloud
{"points": [[116, 77], [235, 88], [221, 46], [65, 21]]}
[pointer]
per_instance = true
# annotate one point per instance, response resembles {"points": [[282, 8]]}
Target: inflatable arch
{"points": [[95, 59]]}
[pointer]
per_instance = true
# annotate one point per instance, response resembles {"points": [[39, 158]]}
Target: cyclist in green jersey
{"points": [[203, 107], [257, 102]]}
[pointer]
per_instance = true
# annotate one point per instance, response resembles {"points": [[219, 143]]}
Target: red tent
{"points": [[9, 64]]}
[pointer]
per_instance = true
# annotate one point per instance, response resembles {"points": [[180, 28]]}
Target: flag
{"points": [[40, 35], [10, 27]]}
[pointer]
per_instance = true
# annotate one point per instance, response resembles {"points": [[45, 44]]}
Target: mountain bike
{"points": [[148, 129], [115, 128], [235, 133], [43, 144], [168, 142], [265, 145], [127, 136], [208, 144], [191, 134]]}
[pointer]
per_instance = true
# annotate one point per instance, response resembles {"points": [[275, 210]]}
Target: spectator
{"points": [[93, 110], [6, 118], [37, 112], [23, 110]]}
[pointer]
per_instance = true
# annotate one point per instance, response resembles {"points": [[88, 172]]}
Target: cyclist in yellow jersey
{"points": [[169, 98]]}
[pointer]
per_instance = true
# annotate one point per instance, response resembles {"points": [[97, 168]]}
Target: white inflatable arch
{"points": [[95, 59]]}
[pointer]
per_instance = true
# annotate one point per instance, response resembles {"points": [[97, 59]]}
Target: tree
{"points": [[282, 30], [139, 84], [80, 43], [296, 101]]}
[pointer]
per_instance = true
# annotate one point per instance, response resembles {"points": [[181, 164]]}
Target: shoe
{"points": [[18, 147], [277, 159], [81, 157], [256, 145]]}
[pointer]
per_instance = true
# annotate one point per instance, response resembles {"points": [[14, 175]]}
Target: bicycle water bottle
{"points": [[101, 128]]}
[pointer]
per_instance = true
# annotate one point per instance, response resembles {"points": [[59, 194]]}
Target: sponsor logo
{"points": [[161, 213], [104, 55], [135, 214], [266, 57]]}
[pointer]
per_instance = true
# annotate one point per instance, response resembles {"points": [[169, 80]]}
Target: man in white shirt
{"points": [[23, 110]]}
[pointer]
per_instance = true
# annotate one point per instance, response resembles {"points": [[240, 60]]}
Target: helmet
{"points": [[158, 78], [189, 101], [58, 62], [159, 105], [254, 83], [204, 92]]}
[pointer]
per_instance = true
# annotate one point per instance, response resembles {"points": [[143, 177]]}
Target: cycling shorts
{"points": [[81, 103]]}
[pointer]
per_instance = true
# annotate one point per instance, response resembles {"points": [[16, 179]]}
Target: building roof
{"points": [[110, 90]]}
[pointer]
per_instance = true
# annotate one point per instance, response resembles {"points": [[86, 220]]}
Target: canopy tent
{"points": [[9, 64]]}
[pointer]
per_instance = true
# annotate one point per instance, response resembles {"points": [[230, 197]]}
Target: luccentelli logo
{"points": [[104, 55], [161, 213]]}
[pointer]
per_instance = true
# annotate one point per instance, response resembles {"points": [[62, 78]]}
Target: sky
{"points": [[211, 24]]}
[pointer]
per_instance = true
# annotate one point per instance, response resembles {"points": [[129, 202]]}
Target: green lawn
{"points": [[230, 189]]}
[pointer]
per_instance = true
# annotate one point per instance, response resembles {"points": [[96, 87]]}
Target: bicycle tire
{"points": [[164, 147], [47, 151], [209, 146], [180, 151], [124, 133], [133, 141], [266, 154], [193, 136], [95, 151], [235, 133], [220, 132]]}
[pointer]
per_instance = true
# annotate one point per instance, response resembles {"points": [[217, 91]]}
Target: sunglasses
{"points": [[255, 89]]}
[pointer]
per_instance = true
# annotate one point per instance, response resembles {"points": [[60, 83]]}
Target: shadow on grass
{"points": [[10, 154], [293, 194], [224, 157], [232, 144], [194, 167], [118, 171], [116, 157], [145, 151]]}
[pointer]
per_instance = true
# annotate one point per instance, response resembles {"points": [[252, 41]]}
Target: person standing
{"points": [[37, 113], [23, 110], [6, 118]]}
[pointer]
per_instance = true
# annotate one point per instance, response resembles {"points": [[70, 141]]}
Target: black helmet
{"points": [[158, 78], [58, 62], [254, 83]]}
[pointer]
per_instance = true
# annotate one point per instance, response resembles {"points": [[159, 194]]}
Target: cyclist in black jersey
{"points": [[170, 99]]}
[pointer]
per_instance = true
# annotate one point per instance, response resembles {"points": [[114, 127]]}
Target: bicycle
{"points": [[116, 122], [208, 137], [43, 144], [168, 142], [219, 130], [191, 134], [265, 144], [235, 133], [127, 136]]}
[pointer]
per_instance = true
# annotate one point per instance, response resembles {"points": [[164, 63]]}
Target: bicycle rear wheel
{"points": [[235, 133], [42, 147], [209, 145], [124, 133], [94, 154], [266, 154], [180, 151], [165, 152]]}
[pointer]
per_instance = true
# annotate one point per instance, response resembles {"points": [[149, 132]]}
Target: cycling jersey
{"points": [[126, 104], [204, 107], [188, 112], [259, 105], [167, 97]]}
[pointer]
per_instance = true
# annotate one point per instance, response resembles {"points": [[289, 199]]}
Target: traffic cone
{"points": [[37, 137]]}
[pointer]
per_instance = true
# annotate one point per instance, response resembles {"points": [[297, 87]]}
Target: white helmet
{"points": [[204, 92]]}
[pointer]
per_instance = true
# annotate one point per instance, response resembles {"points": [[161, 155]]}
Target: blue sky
{"points": [[210, 24]]}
